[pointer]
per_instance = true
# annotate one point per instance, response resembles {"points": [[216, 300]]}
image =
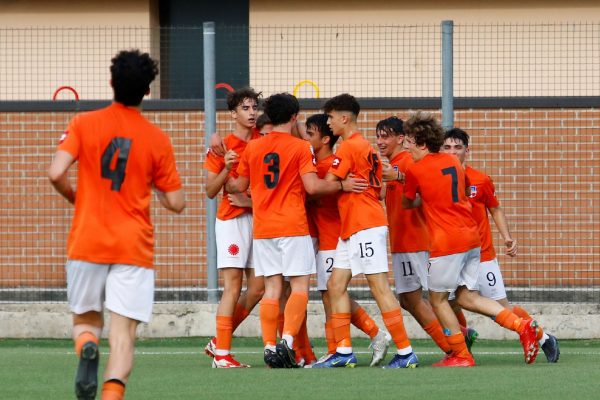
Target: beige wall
{"points": [[317, 12]]}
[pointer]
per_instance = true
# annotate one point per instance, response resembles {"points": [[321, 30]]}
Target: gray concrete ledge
{"points": [[566, 321]]}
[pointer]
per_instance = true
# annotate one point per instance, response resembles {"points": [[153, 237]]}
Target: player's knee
{"points": [[335, 288]]}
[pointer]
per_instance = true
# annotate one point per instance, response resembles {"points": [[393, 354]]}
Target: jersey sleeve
{"points": [[243, 167], [70, 139], [490, 199], [166, 177], [342, 163], [307, 160], [214, 163], [411, 185]]}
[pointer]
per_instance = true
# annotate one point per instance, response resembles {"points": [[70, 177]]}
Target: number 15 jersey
{"points": [[120, 155], [275, 164]]}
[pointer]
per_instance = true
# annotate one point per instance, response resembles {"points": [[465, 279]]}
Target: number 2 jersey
{"points": [[120, 156], [275, 164], [440, 180], [359, 211]]}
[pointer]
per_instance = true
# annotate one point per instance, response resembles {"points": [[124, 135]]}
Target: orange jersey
{"points": [[324, 212], [121, 155], [408, 232], [359, 211], [214, 163], [482, 198], [440, 180], [275, 164]]}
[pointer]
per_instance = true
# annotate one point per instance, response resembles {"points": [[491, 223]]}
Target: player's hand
{"points": [[511, 247], [231, 157], [390, 174], [356, 185], [240, 199], [217, 146]]}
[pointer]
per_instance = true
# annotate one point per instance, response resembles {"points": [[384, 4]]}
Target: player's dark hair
{"points": [[426, 130], [342, 102], [392, 126], [457, 134], [319, 122], [237, 97], [281, 107], [262, 120], [131, 73]]}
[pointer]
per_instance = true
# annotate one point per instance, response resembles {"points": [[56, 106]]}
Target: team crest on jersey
{"points": [[395, 168], [336, 162], [473, 192], [233, 249], [63, 137]]}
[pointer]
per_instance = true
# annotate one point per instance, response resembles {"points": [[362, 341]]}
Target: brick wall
{"points": [[545, 163]]}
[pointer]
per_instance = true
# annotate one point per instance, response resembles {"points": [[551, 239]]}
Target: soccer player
{"points": [[233, 231], [409, 242], [280, 170], [121, 157], [437, 180], [324, 215], [263, 124], [483, 199], [362, 246]]}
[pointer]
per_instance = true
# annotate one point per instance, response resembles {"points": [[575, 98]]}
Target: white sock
{"points": [[289, 340], [221, 352], [405, 351], [543, 339], [270, 347], [344, 350]]}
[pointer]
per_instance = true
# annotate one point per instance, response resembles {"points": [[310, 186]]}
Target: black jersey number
{"points": [[272, 160], [116, 175], [373, 179], [329, 264], [452, 172]]}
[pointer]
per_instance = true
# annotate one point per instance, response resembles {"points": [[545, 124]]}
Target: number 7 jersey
{"points": [[120, 156], [440, 180], [275, 164]]}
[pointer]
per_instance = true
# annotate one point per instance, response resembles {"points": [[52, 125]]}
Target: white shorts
{"points": [[491, 284], [234, 242], [287, 256], [365, 252], [410, 271], [446, 273], [128, 289], [325, 261]]}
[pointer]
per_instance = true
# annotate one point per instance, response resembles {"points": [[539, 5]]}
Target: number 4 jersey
{"points": [[120, 155], [275, 164], [440, 180]]}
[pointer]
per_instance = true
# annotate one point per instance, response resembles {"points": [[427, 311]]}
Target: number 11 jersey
{"points": [[275, 164], [120, 155]]}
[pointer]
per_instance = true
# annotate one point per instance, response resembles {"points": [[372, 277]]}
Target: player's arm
{"points": [[217, 145], [411, 203], [215, 181], [240, 200], [332, 184], [500, 221], [237, 185], [58, 174], [173, 201]]}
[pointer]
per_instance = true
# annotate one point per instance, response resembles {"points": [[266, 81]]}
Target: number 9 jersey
{"points": [[120, 155], [275, 164]]}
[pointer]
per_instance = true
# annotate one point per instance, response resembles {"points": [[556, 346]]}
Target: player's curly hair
{"points": [[131, 73], [319, 122], [426, 130], [281, 107], [237, 97], [392, 126], [457, 134], [342, 102]]}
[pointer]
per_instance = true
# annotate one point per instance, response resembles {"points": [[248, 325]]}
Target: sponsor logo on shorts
{"points": [[233, 249]]}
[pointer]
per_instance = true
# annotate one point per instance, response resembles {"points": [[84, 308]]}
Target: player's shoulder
{"points": [[476, 176]]}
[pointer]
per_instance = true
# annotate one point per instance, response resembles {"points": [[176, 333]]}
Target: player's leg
{"points": [[86, 292], [121, 339]]}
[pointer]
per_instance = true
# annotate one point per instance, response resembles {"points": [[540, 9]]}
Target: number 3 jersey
{"points": [[275, 164], [359, 211], [120, 155], [440, 180]]}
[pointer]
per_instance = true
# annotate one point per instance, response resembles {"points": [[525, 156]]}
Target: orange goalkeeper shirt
{"points": [[120, 156]]}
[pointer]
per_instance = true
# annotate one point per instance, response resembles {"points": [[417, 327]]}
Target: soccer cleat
{"points": [[450, 360], [406, 361], [272, 359], [320, 360], [287, 355], [227, 362], [471, 336], [528, 338], [86, 380], [211, 347], [338, 360], [551, 349], [380, 345]]}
